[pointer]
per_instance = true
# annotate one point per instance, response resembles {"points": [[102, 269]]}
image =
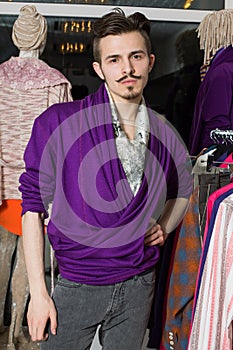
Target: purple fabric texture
{"points": [[97, 226], [214, 108]]}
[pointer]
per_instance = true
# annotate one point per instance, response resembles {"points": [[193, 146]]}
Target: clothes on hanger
{"points": [[209, 176], [180, 299], [213, 308], [163, 271], [183, 280], [209, 183], [214, 201]]}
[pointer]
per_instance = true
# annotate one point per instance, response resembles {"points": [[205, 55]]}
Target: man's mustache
{"points": [[128, 76]]}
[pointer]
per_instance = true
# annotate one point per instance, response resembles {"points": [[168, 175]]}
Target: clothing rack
{"points": [[211, 162], [222, 136]]}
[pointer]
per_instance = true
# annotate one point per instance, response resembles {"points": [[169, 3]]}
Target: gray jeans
{"points": [[122, 310]]}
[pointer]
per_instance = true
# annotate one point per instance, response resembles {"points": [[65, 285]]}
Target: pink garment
{"points": [[29, 73], [210, 205], [229, 159], [28, 86]]}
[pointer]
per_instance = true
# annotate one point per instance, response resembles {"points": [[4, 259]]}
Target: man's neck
{"points": [[127, 111]]}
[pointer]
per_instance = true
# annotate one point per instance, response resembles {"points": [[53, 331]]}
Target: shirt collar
{"points": [[142, 121]]}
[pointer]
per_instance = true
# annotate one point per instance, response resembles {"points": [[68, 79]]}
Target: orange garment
{"points": [[10, 216]]}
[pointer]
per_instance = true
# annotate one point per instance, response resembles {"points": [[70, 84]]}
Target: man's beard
{"points": [[131, 94]]}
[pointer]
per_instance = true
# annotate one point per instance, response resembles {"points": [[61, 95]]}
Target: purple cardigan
{"points": [[97, 226], [214, 107]]}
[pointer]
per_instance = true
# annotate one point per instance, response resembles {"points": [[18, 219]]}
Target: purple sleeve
{"points": [[172, 155], [218, 99], [180, 179], [30, 185], [176, 163]]}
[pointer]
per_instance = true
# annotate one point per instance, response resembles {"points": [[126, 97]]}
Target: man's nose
{"points": [[127, 67]]}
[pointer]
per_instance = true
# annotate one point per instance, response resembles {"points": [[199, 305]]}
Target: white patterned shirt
{"points": [[132, 152]]}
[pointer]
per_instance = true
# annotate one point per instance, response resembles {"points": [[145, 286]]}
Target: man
{"points": [[118, 179]]}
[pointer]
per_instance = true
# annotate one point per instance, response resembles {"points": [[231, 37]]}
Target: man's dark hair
{"points": [[116, 23]]}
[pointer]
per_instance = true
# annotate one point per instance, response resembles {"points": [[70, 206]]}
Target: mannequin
{"points": [[213, 107], [182, 95], [28, 86]]}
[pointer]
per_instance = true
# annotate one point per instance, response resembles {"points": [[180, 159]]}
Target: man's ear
{"points": [[151, 61], [98, 70]]}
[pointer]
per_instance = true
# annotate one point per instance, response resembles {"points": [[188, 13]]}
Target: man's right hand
{"points": [[41, 313]]}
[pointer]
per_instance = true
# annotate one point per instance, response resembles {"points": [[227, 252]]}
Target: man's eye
{"points": [[137, 57], [114, 60]]}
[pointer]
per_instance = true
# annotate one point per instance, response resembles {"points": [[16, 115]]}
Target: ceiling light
{"points": [[187, 4], [72, 48]]}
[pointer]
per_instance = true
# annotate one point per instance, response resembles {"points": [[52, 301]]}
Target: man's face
{"points": [[125, 65]]}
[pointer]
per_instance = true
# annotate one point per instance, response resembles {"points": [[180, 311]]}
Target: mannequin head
{"points": [[187, 48], [215, 32], [29, 32]]}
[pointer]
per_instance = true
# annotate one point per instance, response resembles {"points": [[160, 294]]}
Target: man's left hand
{"points": [[154, 236]]}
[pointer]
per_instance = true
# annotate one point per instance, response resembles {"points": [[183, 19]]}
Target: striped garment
{"points": [[28, 86]]}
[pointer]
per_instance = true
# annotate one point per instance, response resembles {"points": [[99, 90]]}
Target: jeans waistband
{"points": [[142, 273]]}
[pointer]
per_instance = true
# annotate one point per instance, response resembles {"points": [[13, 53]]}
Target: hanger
{"points": [[211, 162], [222, 136]]}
